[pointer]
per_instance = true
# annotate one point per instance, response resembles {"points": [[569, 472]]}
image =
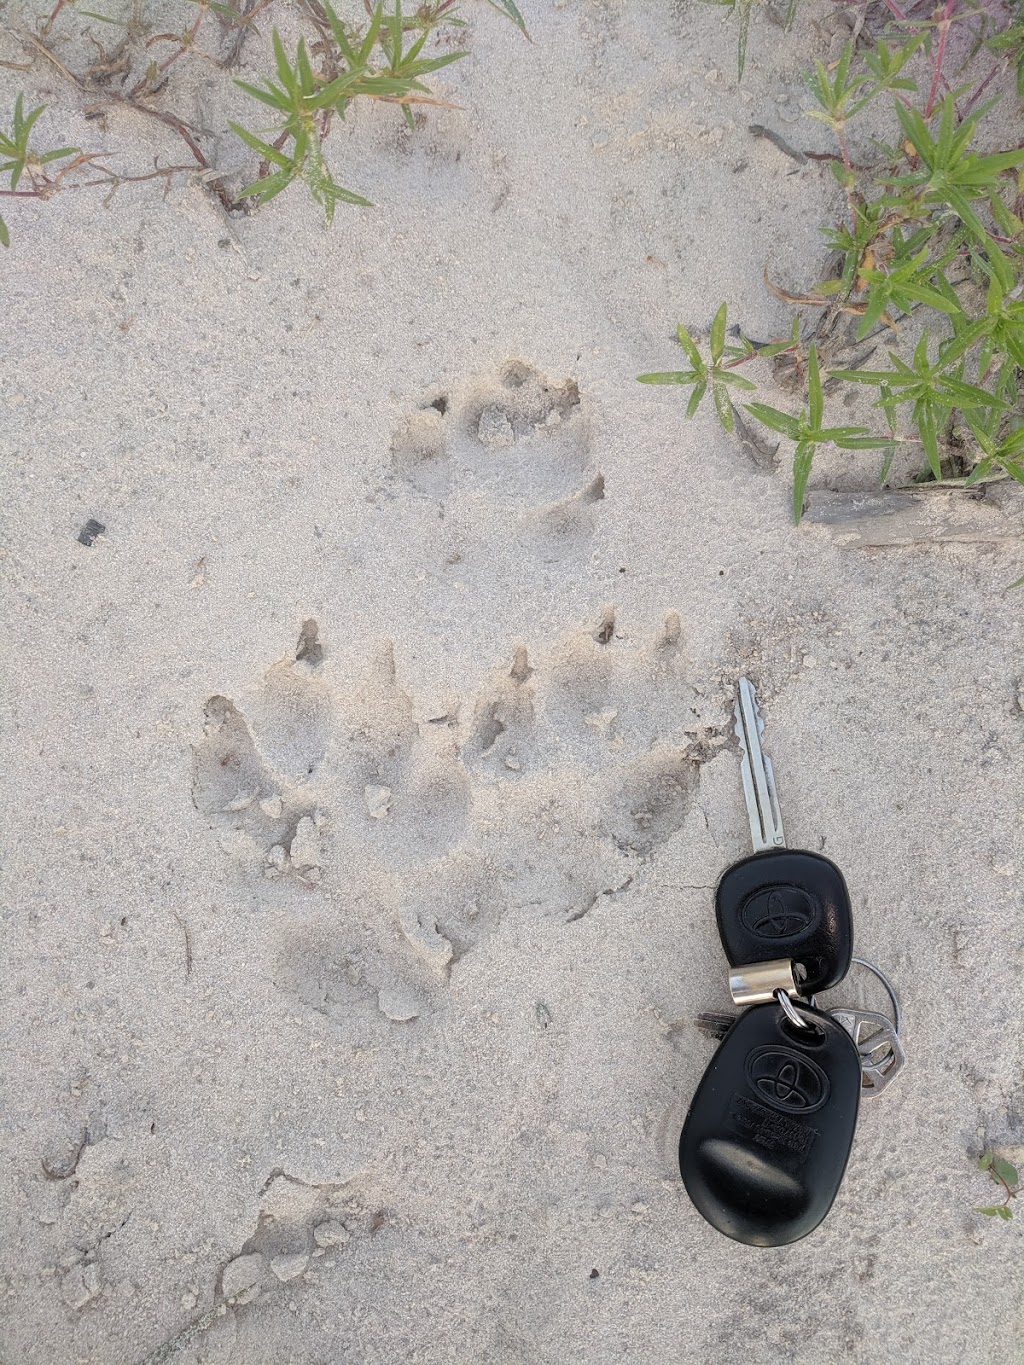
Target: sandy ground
{"points": [[368, 779]]}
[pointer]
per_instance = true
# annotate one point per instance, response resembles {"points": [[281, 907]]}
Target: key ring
{"points": [[890, 990], [791, 1012]]}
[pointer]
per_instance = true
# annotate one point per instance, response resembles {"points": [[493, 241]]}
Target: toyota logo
{"points": [[786, 1080], [779, 912]]}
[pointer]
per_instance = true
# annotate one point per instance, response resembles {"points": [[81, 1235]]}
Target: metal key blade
{"points": [[758, 775], [714, 1024]]}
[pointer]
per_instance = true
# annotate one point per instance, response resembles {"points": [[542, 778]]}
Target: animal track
{"points": [[543, 795], [517, 437], [300, 1222]]}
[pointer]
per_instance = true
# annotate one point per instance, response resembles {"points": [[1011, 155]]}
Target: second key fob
{"points": [[768, 1134], [787, 903]]}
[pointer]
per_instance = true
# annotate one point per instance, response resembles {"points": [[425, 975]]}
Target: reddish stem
{"points": [[940, 54], [981, 88], [186, 43], [53, 15], [742, 360]]}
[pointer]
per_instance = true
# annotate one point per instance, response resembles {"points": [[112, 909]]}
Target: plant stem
{"points": [[185, 43], [940, 55]]}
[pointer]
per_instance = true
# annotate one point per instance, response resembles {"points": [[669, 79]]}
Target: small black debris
{"points": [[92, 528], [595, 1274]]}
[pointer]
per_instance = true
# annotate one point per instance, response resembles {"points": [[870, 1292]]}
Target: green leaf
{"points": [[926, 429], [865, 376], [285, 74], [1006, 1171], [690, 347], [303, 70], [718, 335], [923, 293], [270, 185], [669, 377], [348, 83], [997, 1211], [511, 11], [916, 131], [5, 236], [962, 343], [265, 150], [969, 395], [744, 6], [737, 381], [803, 458], [57, 154], [815, 392], [272, 96], [30, 122], [860, 442], [774, 348], [983, 168], [699, 390], [778, 421], [723, 406]]}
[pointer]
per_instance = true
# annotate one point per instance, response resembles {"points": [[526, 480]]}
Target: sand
{"points": [[368, 777]]}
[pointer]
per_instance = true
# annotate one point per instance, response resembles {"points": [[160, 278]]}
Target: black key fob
{"points": [[787, 904], [768, 1134]]}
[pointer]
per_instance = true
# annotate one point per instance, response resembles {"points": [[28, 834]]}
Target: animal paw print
{"points": [[301, 751], [516, 437], [302, 1226], [545, 794]]}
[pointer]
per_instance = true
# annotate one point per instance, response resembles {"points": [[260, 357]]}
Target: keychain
{"points": [[769, 1130]]}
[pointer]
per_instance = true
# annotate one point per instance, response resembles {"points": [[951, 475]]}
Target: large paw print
{"points": [[392, 789], [544, 794], [517, 438]]}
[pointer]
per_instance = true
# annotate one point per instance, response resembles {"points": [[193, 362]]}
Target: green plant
{"points": [[22, 160], [306, 90], [808, 431], [933, 236], [305, 99], [1004, 1174], [718, 375]]}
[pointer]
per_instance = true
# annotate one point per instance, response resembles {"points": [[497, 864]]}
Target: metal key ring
{"points": [[791, 1012], [890, 990]]}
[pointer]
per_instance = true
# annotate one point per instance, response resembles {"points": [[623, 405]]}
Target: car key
{"points": [[876, 1037], [767, 1137], [779, 905]]}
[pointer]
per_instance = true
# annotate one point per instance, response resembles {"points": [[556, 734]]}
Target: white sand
{"points": [[359, 988]]}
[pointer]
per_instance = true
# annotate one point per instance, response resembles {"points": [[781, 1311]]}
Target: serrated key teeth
{"points": [[757, 774]]}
